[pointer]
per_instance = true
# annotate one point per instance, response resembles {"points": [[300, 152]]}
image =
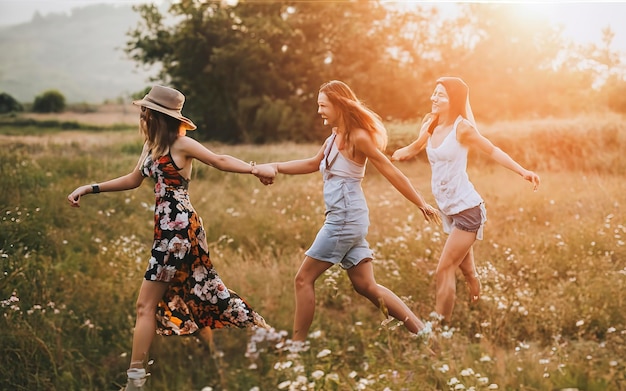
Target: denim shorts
{"points": [[341, 240], [342, 244], [470, 220]]}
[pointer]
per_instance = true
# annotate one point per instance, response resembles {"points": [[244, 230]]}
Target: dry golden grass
{"points": [[548, 263], [83, 138], [104, 115]]}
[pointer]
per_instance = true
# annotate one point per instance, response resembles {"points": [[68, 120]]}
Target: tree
{"points": [[140, 94], [368, 45], [239, 66], [9, 104], [251, 71], [614, 94], [508, 61], [51, 101], [607, 72], [220, 59]]}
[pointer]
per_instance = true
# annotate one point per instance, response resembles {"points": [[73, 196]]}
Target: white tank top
{"points": [[335, 164], [451, 186]]}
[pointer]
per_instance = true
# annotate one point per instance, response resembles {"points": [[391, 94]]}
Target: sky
{"points": [[19, 11], [583, 21]]}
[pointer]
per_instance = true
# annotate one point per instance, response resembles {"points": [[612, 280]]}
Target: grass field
{"points": [[553, 268]]}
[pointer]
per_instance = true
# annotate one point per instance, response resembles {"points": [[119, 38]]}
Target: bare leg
{"points": [[362, 277], [454, 252], [471, 275], [150, 294], [304, 284]]}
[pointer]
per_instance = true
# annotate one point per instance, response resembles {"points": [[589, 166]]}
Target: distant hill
{"points": [[80, 54]]}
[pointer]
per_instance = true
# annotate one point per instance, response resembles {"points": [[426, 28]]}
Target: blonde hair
{"points": [[159, 131], [354, 113]]}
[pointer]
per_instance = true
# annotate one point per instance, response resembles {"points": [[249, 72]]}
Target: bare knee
{"points": [[301, 280], [144, 309], [367, 289], [444, 273]]}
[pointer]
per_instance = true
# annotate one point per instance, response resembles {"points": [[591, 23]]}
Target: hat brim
{"points": [[187, 123]]}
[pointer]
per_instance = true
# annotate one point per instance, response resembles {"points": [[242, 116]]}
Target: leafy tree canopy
{"points": [[251, 71], [9, 104], [51, 101]]}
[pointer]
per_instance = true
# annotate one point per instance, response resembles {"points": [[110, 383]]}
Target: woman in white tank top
{"points": [[447, 133]]}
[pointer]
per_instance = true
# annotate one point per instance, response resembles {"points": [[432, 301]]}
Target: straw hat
{"points": [[167, 101]]}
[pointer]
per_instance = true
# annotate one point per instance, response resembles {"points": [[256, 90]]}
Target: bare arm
{"points": [[129, 181], [192, 149], [301, 166], [470, 137], [416, 146], [297, 167], [366, 145]]}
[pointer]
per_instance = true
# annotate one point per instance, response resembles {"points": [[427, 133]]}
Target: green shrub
{"points": [[51, 101], [9, 104]]}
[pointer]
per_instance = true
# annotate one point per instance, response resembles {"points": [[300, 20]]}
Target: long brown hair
{"points": [[159, 131], [457, 92], [354, 114]]}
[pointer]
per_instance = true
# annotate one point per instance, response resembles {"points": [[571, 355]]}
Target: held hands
{"points": [[401, 154], [431, 214], [265, 172]]}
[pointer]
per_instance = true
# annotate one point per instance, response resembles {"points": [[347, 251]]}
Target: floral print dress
{"points": [[196, 297]]}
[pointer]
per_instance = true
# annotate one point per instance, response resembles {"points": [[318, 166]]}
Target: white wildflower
{"points": [[317, 374], [323, 353]]}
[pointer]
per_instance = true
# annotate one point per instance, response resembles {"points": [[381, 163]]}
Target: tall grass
{"points": [[553, 268]]}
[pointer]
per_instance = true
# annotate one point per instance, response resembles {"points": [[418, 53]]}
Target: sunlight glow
{"points": [[531, 11]]}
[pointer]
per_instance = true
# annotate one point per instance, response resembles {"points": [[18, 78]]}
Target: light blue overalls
{"points": [[342, 237]]}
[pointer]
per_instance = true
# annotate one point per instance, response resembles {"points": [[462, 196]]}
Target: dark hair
{"points": [[457, 92]]}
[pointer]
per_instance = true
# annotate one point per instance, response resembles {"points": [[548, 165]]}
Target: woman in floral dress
{"points": [[181, 292]]}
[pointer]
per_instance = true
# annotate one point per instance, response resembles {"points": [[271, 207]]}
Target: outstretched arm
{"points": [[192, 149], [416, 146], [469, 136], [297, 167], [366, 145], [129, 181], [302, 166]]}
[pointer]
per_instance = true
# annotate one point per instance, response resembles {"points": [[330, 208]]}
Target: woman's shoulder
{"points": [[364, 143], [464, 125], [184, 142], [360, 135], [466, 132], [186, 146]]}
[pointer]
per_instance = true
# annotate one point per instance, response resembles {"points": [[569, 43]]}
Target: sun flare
{"points": [[533, 11]]}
